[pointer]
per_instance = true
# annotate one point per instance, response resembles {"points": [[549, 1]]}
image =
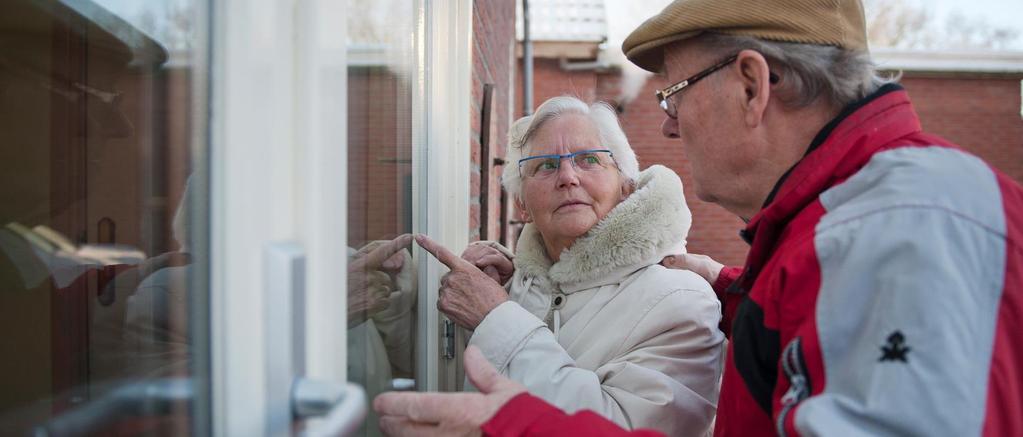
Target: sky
{"points": [[625, 15]]}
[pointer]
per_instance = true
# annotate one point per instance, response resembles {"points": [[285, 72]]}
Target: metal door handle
{"points": [[340, 407], [142, 399]]}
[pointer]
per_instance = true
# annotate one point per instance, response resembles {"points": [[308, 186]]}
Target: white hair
{"points": [[809, 71], [604, 118]]}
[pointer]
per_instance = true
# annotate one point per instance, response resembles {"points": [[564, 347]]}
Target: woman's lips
{"points": [[571, 205]]}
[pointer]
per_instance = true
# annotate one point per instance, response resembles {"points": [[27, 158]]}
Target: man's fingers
{"points": [[422, 407], [441, 253], [394, 426], [674, 262], [376, 257], [481, 373]]}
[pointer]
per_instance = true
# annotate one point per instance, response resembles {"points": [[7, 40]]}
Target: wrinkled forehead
{"points": [[566, 133], [685, 58]]}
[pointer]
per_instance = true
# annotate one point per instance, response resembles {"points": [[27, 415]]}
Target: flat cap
{"points": [[838, 23]]}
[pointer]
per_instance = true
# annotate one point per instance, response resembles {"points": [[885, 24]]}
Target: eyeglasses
{"points": [[663, 95], [543, 166]]}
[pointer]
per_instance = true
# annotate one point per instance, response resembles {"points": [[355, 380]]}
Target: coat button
{"points": [[559, 300]]}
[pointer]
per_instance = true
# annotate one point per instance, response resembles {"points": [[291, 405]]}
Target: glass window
{"points": [[381, 298], [103, 305]]}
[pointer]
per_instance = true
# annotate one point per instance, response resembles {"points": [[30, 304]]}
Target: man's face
{"points": [[709, 123]]}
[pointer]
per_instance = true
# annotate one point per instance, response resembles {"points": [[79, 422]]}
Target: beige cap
{"points": [[837, 23]]}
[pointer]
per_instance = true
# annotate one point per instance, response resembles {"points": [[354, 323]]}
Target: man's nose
{"points": [[669, 127]]}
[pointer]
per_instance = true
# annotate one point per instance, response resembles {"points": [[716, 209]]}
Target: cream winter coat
{"points": [[607, 328]]}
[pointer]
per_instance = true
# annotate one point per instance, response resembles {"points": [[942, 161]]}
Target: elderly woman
{"points": [[590, 319]]}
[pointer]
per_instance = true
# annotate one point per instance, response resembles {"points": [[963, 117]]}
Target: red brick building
{"points": [[970, 99]]}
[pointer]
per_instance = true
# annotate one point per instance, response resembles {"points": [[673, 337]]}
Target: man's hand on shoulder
{"points": [[702, 265]]}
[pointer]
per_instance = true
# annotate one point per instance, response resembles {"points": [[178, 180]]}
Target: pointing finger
{"points": [[441, 253], [376, 257]]}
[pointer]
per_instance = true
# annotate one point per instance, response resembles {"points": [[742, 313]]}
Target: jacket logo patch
{"points": [[895, 349]]}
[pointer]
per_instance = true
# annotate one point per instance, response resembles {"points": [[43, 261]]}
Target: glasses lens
{"points": [[668, 107], [541, 167], [589, 160]]}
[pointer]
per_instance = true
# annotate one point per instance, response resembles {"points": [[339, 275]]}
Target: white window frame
{"points": [[443, 188], [278, 102]]}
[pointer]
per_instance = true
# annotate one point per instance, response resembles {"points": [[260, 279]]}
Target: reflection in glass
{"points": [[97, 303], [382, 289]]}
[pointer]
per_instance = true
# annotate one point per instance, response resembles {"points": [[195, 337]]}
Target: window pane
{"points": [[101, 217], [382, 307]]}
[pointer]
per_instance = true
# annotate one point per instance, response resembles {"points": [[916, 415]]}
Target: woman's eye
{"points": [[549, 164]]}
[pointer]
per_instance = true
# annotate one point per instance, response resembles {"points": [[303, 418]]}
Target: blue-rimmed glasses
{"points": [[543, 166]]}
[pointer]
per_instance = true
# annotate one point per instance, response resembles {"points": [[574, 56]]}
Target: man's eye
{"points": [[591, 159], [549, 164]]}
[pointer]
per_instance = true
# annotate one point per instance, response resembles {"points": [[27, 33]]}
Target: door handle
{"points": [[340, 407], [142, 399]]}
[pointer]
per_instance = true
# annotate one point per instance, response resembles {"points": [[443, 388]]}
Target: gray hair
{"points": [[609, 130], [809, 71]]}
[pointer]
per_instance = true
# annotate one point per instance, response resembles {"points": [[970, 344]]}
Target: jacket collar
{"points": [[638, 232], [840, 149]]}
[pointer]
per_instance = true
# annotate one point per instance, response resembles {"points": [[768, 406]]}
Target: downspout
{"points": [[527, 62]]}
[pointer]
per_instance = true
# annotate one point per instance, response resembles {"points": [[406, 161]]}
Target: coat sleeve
{"points": [[729, 301], [664, 375], [526, 415], [902, 335]]}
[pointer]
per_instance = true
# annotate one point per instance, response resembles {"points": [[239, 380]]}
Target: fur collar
{"points": [[638, 232]]}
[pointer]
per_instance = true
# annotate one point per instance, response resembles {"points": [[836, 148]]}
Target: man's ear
{"points": [[755, 75], [521, 206]]}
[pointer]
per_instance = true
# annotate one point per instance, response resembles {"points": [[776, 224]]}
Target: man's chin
{"points": [[704, 195]]}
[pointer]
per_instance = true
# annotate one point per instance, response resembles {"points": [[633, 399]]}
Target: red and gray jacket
{"points": [[881, 295]]}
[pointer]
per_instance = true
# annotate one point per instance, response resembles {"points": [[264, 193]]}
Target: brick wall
{"points": [[980, 113], [379, 156], [493, 56]]}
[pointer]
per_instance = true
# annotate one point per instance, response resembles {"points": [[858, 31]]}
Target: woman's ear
{"points": [[628, 186], [521, 206]]}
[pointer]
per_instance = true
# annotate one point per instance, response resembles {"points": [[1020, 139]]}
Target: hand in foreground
{"points": [[466, 294], [368, 285], [445, 414], [493, 262], [702, 265]]}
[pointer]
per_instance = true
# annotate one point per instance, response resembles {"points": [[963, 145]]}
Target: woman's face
{"points": [[567, 204]]}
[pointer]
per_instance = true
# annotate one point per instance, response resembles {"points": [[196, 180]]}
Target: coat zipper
{"points": [[799, 381]]}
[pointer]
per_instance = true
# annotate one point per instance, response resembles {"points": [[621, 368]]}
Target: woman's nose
{"points": [[567, 174], [669, 127]]}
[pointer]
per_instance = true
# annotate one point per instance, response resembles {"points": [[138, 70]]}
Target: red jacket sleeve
{"points": [[526, 415], [729, 301]]}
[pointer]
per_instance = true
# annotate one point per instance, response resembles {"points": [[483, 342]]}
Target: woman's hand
{"points": [[369, 285], [467, 294], [491, 261]]}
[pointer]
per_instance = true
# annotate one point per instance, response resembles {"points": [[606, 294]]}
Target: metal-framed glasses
{"points": [[664, 96], [544, 166]]}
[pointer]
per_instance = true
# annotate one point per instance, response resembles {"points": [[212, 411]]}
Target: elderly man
{"points": [[882, 292]]}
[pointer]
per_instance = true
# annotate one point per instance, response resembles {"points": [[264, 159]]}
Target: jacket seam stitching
{"points": [[951, 212]]}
